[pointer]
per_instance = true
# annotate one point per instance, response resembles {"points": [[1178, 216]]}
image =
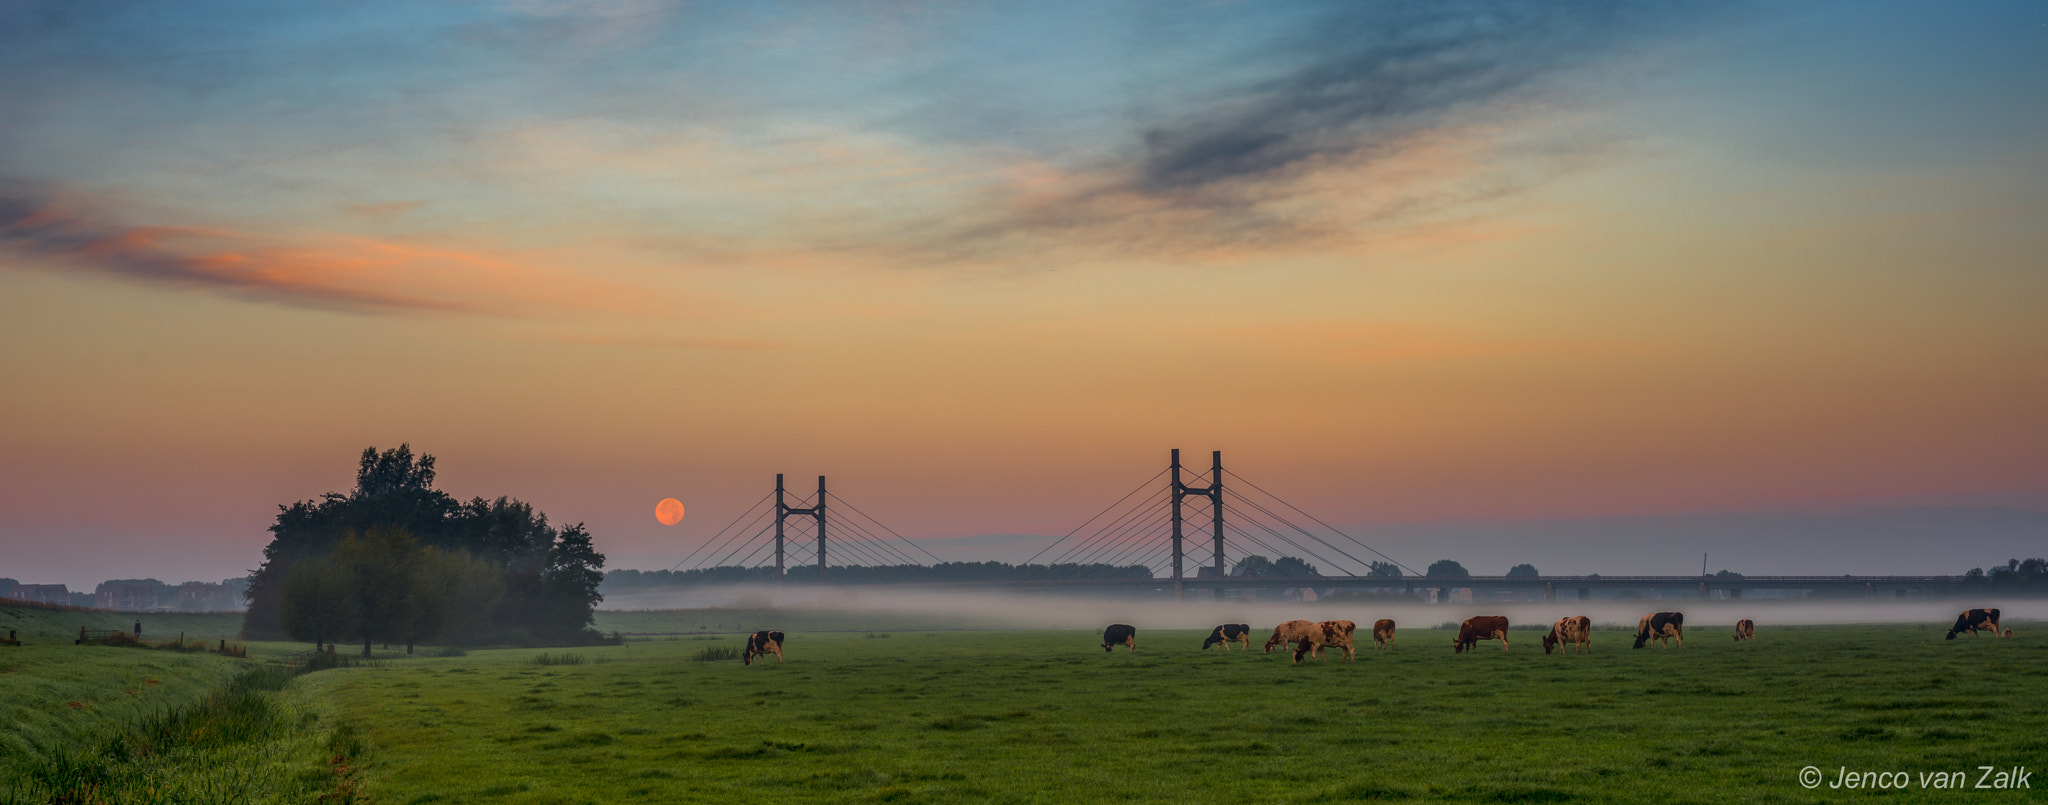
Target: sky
{"points": [[1601, 286]]}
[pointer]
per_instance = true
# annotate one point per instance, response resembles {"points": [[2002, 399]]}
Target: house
{"points": [[41, 593]]}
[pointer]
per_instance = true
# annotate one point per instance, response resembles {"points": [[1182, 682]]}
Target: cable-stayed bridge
{"points": [[1214, 522]]}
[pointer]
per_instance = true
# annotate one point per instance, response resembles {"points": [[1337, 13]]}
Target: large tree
{"points": [[545, 584]]}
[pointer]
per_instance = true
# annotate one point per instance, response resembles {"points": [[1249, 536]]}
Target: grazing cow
{"points": [[760, 643], [1336, 634], [1119, 634], [1239, 633], [1745, 629], [1975, 620], [1662, 627], [1307, 635], [1481, 627], [1576, 630], [1382, 633]]}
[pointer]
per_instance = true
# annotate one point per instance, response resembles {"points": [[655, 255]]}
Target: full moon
{"points": [[669, 511]]}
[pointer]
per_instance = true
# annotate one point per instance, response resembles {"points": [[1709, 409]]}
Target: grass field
{"points": [[1034, 716], [1048, 717]]}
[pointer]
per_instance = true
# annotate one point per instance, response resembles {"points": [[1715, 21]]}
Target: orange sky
{"points": [[1653, 283]]}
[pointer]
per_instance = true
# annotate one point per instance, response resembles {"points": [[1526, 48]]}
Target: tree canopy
{"points": [[1522, 570], [1446, 569], [414, 562]]}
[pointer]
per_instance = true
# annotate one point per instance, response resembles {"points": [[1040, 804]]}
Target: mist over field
{"points": [[1005, 610]]}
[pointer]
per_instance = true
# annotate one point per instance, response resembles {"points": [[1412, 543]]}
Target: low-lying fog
{"points": [[1049, 611]]}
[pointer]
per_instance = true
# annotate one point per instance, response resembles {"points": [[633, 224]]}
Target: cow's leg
{"points": [[1503, 635]]}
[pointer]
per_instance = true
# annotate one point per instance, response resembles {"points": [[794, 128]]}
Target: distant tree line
{"points": [[396, 560], [2015, 577], [622, 581]]}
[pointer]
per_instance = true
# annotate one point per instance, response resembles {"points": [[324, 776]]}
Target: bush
{"points": [[558, 659], [717, 654]]}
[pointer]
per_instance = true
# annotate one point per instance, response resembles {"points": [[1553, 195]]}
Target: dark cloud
{"points": [[37, 225], [1366, 73]]}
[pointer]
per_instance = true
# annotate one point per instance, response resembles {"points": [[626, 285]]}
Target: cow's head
{"points": [[1549, 640], [1642, 637]]}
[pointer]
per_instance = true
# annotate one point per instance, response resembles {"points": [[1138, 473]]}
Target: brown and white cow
{"points": [[1336, 634], [1576, 630], [1975, 620], [1239, 633], [762, 643], [1308, 635], [1481, 627], [1662, 627], [1382, 633], [1745, 629]]}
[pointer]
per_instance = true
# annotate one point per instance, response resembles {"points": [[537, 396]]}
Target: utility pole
{"points": [[1214, 492]]}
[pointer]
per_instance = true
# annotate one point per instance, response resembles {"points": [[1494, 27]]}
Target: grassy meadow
{"points": [[1029, 716], [1049, 717]]}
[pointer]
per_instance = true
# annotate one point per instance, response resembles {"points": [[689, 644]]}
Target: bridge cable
{"points": [[714, 537], [1319, 521]]}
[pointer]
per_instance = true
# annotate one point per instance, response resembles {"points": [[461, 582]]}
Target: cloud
{"points": [[1324, 342], [1368, 75], [677, 342], [51, 230], [38, 224]]}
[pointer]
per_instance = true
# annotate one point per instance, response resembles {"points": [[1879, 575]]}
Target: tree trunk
{"points": [[366, 648], [408, 647]]}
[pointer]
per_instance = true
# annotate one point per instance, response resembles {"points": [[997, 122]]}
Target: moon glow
{"points": [[669, 511]]}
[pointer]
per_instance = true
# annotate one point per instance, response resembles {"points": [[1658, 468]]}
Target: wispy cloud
{"points": [[1324, 342], [1365, 76], [43, 228]]}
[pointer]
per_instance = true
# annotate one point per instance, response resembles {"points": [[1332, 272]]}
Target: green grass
{"points": [[1048, 717], [38, 626], [106, 724]]}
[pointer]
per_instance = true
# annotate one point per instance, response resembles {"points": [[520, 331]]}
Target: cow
{"points": [[1745, 629], [761, 643], [1974, 621], [1662, 627], [1576, 630], [1481, 627], [1336, 634], [1239, 633], [1120, 634], [1382, 633], [1307, 635]]}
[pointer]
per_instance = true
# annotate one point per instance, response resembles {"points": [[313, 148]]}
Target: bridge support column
{"points": [[783, 511], [1585, 593], [1549, 591], [780, 510], [1703, 591], [1176, 525], [1735, 592]]}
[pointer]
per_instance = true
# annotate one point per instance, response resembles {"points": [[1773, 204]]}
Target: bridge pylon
{"points": [[1214, 492], [783, 511]]}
